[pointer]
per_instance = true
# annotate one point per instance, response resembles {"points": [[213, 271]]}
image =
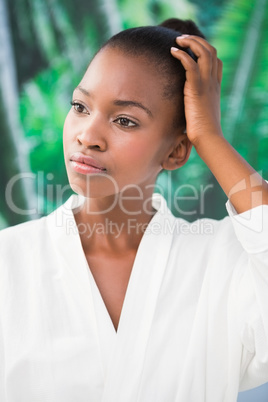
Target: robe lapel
{"points": [[63, 230], [127, 359], [106, 331], [72, 263]]}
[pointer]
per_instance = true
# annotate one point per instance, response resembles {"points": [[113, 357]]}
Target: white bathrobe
{"points": [[194, 323]]}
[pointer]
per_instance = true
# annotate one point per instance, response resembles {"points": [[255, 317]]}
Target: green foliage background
{"points": [[52, 42]]}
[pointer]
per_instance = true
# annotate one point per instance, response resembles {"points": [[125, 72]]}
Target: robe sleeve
{"points": [[2, 374], [251, 228]]}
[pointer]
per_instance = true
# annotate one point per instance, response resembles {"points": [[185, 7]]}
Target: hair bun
{"points": [[182, 26]]}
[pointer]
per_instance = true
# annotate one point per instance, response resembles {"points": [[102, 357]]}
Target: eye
{"points": [[78, 107], [125, 122]]}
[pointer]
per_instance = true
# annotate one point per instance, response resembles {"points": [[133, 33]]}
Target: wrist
{"points": [[206, 140]]}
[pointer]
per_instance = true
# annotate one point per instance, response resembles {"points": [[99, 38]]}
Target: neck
{"points": [[115, 223]]}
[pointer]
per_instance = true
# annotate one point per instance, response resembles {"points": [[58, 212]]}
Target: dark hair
{"points": [[154, 42]]}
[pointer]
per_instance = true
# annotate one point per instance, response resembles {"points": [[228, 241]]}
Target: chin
{"points": [[94, 186]]}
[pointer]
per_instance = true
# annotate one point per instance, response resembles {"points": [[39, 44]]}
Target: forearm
{"points": [[241, 183]]}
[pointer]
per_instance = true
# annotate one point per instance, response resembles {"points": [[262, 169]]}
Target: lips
{"points": [[86, 164]]}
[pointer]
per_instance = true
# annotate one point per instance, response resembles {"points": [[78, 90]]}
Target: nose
{"points": [[92, 135]]}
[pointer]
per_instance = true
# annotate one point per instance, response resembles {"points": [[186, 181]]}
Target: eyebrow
{"points": [[129, 103], [83, 90], [119, 102]]}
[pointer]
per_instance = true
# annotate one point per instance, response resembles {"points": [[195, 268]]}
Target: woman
{"points": [[111, 298]]}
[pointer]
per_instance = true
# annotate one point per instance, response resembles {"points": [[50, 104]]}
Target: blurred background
{"points": [[45, 47]]}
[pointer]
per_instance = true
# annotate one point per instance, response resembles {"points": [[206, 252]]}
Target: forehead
{"points": [[111, 72]]}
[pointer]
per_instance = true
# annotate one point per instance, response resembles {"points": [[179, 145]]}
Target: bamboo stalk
{"points": [[9, 90]]}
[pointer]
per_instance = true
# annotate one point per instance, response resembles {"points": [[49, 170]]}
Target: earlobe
{"points": [[179, 154]]}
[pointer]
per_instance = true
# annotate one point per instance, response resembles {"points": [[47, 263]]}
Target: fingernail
{"points": [[182, 36], [174, 49]]}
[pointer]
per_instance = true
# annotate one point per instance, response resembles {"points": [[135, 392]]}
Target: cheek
{"points": [[66, 133], [148, 143], [143, 155], [137, 151], [137, 154]]}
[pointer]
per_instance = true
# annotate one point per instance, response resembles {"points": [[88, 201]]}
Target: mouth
{"points": [[85, 164]]}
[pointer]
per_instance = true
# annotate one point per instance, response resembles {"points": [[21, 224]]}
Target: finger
{"points": [[206, 54], [202, 41], [204, 59], [190, 66], [213, 51]]}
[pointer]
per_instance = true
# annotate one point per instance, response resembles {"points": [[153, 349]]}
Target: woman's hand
{"points": [[241, 183], [202, 88]]}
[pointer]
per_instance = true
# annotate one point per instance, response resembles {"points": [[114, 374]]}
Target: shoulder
{"points": [[18, 242], [204, 231], [34, 238], [32, 230], [201, 233], [21, 231]]}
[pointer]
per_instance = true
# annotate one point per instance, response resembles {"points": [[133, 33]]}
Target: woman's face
{"points": [[119, 129]]}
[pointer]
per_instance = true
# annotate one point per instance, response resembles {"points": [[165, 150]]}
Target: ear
{"points": [[179, 153]]}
